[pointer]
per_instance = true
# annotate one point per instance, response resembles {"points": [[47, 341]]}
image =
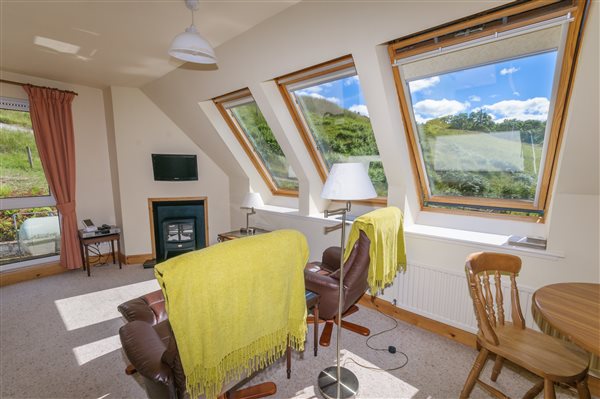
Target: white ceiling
{"points": [[120, 42]]}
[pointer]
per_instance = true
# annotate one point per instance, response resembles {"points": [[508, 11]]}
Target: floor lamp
{"points": [[346, 182]]}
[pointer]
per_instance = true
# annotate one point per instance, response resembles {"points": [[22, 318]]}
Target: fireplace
{"points": [[178, 226]]}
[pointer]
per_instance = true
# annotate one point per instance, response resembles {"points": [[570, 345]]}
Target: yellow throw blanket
{"points": [[387, 252], [232, 306]]}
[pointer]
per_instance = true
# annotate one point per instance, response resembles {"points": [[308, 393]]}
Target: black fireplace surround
{"points": [[179, 227]]}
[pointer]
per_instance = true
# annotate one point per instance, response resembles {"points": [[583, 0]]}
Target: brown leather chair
{"points": [[323, 278], [148, 343]]}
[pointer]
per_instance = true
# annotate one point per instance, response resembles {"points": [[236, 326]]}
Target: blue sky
{"points": [[513, 89], [344, 92]]}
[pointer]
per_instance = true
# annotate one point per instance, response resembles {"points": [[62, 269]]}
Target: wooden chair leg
{"points": [[535, 390], [497, 367], [474, 373], [356, 328], [583, 390], [549, 389], [325, 339], [254, 392]]}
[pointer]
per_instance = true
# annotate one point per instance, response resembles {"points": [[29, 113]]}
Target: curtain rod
{"points": [[12, 82]]}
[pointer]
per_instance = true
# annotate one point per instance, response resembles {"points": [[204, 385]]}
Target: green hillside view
{"points": [[343, 136], [471, 155], [19, 177], [259, 133]]}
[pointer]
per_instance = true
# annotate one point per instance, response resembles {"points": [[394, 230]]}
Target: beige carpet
{"points": [[59, 339]]}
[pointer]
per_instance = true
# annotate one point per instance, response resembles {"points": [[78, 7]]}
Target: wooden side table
{"points": [[85, 242], [232, 235]]}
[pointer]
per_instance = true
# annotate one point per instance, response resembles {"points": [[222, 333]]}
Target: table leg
{"points": [[112, 248], [316, 327], [82, 255], [119, 251], [87, 259], [288, 355]]}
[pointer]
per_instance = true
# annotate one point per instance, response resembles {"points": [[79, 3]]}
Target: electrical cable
{"points": [[390, 348], [101, 258]]}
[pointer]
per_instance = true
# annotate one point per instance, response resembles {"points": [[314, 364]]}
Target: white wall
{"points": [[93, 184], [140, 129]]}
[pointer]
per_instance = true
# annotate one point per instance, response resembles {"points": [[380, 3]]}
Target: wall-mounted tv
{"points": [[174, 167]]}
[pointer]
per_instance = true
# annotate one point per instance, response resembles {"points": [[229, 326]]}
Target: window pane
{"points": [[28, 234], [481, 130], [258, 132], [338, 119], [21, 173]]}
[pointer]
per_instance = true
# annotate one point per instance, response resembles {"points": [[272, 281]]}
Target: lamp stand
{"points": [[247, 229], [337, 382]]}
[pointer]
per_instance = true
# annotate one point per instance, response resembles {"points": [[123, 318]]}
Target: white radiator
{"points": [[443, 295]]}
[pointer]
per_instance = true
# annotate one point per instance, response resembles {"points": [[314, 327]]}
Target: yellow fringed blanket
{"points": [[384, 229], [233, 306]]}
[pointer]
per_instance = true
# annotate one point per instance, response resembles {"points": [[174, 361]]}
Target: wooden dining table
{"points": [[573, 309]]}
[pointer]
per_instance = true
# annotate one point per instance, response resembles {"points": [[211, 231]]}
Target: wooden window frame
{"points": [[322, 69], [514, 15], [245, 143]]}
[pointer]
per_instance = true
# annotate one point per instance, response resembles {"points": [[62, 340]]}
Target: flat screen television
{"points": [[174, 167]]}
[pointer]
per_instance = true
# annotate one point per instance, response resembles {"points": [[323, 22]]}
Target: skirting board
{"points": [[29, 273], [134, 259], [445, 330]]}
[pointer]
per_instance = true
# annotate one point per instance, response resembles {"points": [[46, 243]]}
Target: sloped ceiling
{"points": [[119, 43]]}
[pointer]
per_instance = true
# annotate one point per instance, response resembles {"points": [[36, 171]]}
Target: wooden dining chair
{"points": [[554, 360]]}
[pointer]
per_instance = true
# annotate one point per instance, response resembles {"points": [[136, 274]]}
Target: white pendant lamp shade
{"points": [[190, 46], [348, 182]]}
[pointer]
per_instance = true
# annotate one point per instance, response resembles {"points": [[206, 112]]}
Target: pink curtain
{"points": [[52, 121]]}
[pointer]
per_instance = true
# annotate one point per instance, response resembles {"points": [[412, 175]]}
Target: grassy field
{"points": [[19, 178]]}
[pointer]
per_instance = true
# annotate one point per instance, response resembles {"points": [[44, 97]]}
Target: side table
{"points": [[232, 235], [85, 242]]}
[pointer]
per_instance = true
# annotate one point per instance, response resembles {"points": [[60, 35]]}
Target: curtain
{"points": [[52, 121]]}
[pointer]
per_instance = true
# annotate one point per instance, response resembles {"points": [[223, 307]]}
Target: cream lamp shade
{"points": [[348, 182], [252, 200]]}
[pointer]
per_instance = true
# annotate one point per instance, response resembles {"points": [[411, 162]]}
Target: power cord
{"points": [[101, 258], [391, 349]]}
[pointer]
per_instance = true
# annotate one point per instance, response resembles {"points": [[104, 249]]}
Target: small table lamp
{"points": [[251, 201], [346, 182]]}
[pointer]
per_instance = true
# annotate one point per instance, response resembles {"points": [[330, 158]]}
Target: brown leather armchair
{"points": [[148, 343], [323, 278]]}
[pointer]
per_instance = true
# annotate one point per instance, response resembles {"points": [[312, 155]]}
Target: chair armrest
{"points": [[331, 258], [137, 309], [144, 349]]}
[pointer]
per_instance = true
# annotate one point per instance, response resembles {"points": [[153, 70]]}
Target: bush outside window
{"points": [[256, 137]]}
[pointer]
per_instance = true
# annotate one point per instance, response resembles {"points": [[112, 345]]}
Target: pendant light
{"points": [[190, 46]]}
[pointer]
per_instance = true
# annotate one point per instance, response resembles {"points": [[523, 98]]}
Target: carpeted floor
{"points": [[59, 339]]}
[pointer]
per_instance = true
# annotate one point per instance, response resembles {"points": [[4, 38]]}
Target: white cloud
{"points": [[351, 80], [309, 90], [533, 108], [360, 109], [418, 85], [430, 109], [474, 98], [508, 71], [516, 93], [317, 95]]}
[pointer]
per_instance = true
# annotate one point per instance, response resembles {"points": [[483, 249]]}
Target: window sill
{"points": [[495, 242], [480, 241], [31, 262]]}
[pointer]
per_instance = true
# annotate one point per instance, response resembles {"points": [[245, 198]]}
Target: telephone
{"points": [[88, 225]]}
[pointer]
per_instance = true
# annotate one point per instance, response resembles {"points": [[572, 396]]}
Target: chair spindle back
{"points": [[479, 267]]}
